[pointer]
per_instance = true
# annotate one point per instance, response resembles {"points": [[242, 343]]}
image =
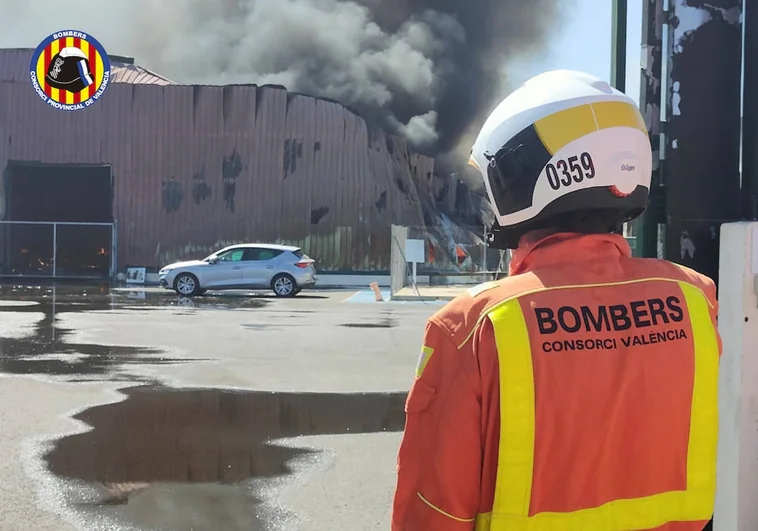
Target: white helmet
{"points": [[564, 141]]}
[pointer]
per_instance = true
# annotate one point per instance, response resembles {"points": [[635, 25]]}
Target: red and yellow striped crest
{"points": [[85, 66]]}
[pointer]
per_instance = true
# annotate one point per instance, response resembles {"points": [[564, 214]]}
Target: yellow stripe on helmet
{"points": [[563, 127]]}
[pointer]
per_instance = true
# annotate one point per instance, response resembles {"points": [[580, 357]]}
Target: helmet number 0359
{"points": [[568, 171]]}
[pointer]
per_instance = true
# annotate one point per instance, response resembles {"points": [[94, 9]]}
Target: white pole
{"points": [[737, 478], [413, 269]]}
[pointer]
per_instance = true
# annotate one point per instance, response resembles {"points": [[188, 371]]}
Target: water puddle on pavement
{"points": [[44, 349], [181, 459]]}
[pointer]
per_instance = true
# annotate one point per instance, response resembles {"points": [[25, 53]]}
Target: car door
{"points": [[259, 267], [226, 270], [252, 276]]}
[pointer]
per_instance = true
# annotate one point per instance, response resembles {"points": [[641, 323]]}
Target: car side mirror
{"points": [[213, 261]]}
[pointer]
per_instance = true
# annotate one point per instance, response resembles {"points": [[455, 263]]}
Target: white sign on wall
{"points": [[415, 251], [415, 254], [135, 275]]}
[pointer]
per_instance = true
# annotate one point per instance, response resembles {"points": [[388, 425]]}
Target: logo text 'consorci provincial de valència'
{"points": [[70, 70]]}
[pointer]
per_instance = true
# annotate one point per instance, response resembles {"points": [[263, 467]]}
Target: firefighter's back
{"points": [[608, 372], [615, 366], [580, 394]]}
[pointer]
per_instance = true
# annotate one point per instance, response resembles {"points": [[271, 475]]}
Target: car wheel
{"points": [[186, 285], [284, 285]]}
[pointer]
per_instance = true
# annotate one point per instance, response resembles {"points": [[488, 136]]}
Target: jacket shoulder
{"points": [[460, 317], [666, 269]]}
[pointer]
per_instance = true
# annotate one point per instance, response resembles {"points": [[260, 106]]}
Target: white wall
{"points": [[737, 485]]}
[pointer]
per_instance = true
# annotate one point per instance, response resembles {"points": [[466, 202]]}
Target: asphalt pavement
{"points": [[134, 409]]}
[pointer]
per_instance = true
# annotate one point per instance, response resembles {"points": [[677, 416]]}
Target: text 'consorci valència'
{"points": [[612, 320]]}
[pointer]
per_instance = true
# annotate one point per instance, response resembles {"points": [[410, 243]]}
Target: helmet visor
{"points": [[513, 171]]}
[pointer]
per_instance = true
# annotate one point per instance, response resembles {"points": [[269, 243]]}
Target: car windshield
{"points": [[215, 255]]}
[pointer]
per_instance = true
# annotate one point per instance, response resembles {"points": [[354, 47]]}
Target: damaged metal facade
{"points": [[702, 178], [196, 168]]}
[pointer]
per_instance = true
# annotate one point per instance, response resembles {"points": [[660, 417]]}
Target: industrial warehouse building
{"points": [[155, 172]]}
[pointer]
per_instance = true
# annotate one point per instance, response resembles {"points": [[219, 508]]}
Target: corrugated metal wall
{"points": [[199, 167]]}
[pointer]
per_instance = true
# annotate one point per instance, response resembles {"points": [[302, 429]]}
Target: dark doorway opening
{"points": [[58, 220]]}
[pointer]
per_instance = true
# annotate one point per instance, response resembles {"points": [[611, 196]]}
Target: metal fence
{"points": [[56, 249], [451, 249], [454, 249]]}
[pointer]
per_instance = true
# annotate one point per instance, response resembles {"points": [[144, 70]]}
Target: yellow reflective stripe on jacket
{"points": [[516, 452], [513, 487], [423, 360]]}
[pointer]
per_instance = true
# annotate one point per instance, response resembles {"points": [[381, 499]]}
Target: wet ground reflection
{"points": [[178, 459], [44, 348]]}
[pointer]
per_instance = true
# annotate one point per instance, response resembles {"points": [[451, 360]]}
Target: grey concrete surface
{"points": [[30, 411], [63, 351]]}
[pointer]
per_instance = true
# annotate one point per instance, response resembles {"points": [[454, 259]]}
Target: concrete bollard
{"points": [[377, 291]]}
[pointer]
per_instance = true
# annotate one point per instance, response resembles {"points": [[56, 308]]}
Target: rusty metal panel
{"points": [[265, 161], [357, 204], [193, 221], [377, 193], [242, 116], [703, 129], [235, 151], [199, 167], [345, 206], [297, 166], [144, 174], [328, 139], [181, 234], [117, 130]]}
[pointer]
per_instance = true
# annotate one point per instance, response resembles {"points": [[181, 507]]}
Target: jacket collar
{"points": [[537, 250]]}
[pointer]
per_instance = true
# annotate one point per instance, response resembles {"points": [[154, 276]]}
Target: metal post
{"points": [[618, 60], [53, 317], [114, 263], [702, 130], [618, 45], [55, 248], [651, 81]]}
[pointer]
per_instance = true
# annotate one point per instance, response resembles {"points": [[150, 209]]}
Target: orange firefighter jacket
{"points": [[579, 394]]}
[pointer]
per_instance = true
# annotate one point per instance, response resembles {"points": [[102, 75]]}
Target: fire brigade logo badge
{"points": [[70, 70]]}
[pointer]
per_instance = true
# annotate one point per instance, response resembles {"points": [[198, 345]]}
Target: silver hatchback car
{"points": [[281, 268]]}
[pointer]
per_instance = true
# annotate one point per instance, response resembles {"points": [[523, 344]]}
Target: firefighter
{"points": [[579, 393]]}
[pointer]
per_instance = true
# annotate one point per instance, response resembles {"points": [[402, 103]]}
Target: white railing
{"points": [[57, 249]]}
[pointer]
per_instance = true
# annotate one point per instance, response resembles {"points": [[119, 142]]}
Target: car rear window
{"points": [[268, 254], [299, 253]]}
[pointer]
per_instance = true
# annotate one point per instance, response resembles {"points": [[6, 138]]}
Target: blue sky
{"points": [[582, 41]]}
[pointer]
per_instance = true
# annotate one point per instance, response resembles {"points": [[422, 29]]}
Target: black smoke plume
{"points": [[429, 70]]}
